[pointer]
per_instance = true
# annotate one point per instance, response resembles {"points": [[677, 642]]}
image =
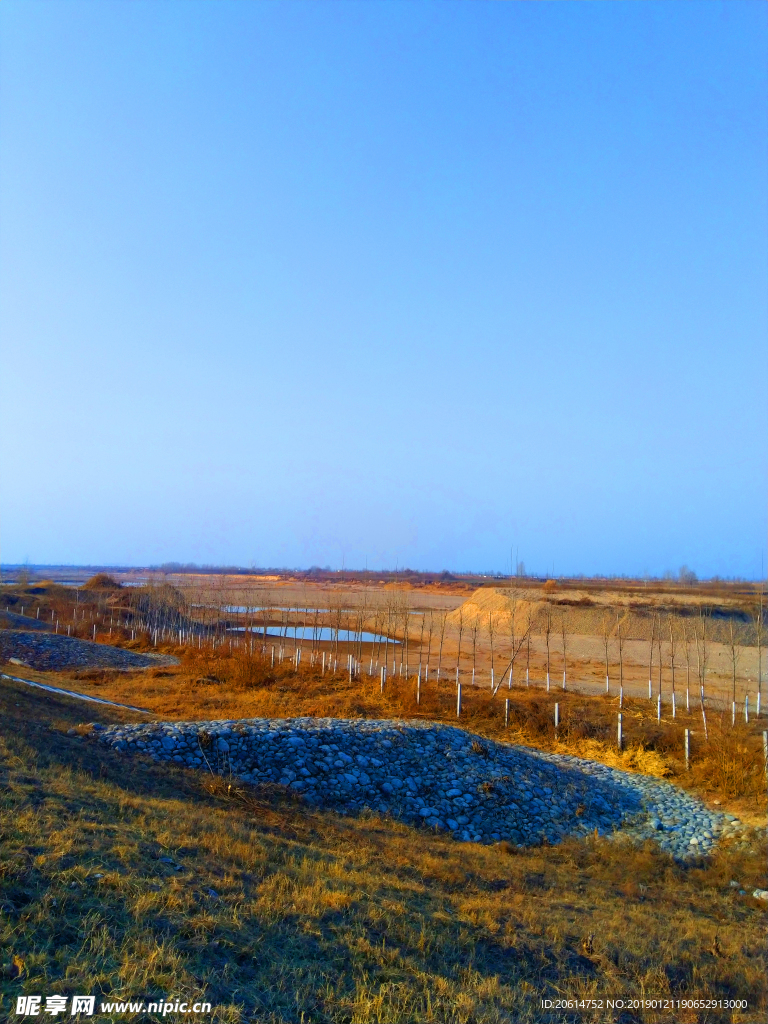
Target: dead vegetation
{"points": [[209, 684], [125, 878], [128, 879]]}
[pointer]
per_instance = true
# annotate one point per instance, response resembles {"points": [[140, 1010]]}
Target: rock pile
{"points": [[11, 620], [51, 651], [440, 776]]}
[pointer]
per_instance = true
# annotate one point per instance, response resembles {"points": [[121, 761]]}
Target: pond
{"points": [[243, 609], [323, 633]]}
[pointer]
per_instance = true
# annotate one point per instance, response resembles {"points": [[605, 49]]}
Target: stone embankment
{"points": [[52, 651], [440, 776], [11, 620]]}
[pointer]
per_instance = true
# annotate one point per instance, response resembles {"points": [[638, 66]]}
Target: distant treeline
{"points": [[685, 577], [314, 570]]}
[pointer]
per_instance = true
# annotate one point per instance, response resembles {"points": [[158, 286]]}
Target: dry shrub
{"points": [[583, 724], [238, 671], [206, 681], [532, 716], [95, 676], [731, 764], [633, 759]]}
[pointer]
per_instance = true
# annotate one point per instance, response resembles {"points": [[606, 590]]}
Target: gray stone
{"points": [[438, 776]]}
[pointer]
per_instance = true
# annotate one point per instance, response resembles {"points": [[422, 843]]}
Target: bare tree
{"points": [[338, 618], [687, 643], [564, 635], [490, 638], [304, 622], [757, 617], [421, 644], [395, 616], [364, 620], [429, 647], [650, 657], [404, 618], [620, 644], [474, 630], [760, 623], [528, 649], [361, 616], [734, 650], [525, 638], [265, 614], [399, 624], [442, 619], [701, 660], [458, 653], [315, 635], [672, 649], [406, 634], [378, 626], [547, 634], [606, 639], [512, 602], [386, 632]]}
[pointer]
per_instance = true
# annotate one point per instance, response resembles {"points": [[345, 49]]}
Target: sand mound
{"points": [[101, 581], [500, 604], [583, 619]]}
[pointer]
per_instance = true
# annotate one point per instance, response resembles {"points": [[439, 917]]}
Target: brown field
{"points": [[278, 913], [593, 613], [317, 917], [728, 768]]}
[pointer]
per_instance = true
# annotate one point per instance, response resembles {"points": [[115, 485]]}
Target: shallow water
{"points": [[325, 633], [243, 609]]}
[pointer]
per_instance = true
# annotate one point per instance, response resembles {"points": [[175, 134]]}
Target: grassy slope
{"points": [[321, 918], [209, 685]]}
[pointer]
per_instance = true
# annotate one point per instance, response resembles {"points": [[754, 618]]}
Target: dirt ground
{"points": [[584, 651], [159, 879], [588, 607]]}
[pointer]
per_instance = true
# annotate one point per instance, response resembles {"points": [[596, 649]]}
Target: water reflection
{"points": [[323, 633]]}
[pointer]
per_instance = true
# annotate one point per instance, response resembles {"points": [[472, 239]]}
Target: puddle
{"points": [[243, 609], [323, 633]]}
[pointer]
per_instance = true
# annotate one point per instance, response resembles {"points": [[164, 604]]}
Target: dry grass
{"points": [[729, 768], [321, 918], [98, 604]]}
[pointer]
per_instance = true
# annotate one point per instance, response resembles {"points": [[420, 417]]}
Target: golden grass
{"points": [[105, 607], [317, 917], [729, 768], [634, 759]]}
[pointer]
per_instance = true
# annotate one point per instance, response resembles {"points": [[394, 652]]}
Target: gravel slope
{"points": [[10, 620], [440, 776], [51, 651]]}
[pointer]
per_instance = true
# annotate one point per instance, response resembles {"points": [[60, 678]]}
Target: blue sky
{"points": [[385, 283]]}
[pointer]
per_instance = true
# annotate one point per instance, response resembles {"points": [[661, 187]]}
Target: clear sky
{"points": [[396, 283]]}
